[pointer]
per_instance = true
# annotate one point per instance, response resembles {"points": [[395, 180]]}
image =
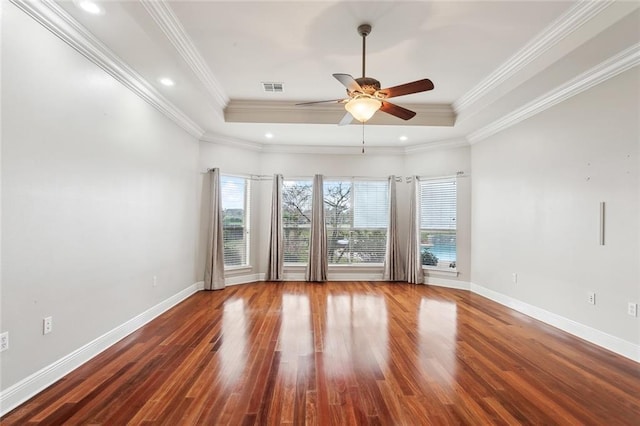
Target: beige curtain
{"points": [[414, 260], [393, 265], [214, 268], [318, 262], [275, 266]]}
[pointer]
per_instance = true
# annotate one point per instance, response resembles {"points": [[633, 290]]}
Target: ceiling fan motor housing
{"points": [[369, 85]]}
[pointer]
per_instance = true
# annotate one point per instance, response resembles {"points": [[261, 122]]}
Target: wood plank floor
{"points": [[343, 354]]}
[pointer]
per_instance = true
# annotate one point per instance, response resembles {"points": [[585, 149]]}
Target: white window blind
{"points": [[371, 204], [438, 212], [235, 194], [356, 216], [296, 219]]}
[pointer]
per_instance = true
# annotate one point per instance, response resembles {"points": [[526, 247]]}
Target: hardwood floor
{"points": [[342, 354]]}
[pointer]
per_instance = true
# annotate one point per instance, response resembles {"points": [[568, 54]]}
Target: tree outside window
{"points": [[296, 220]]}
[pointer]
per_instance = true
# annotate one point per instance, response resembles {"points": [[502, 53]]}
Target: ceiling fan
{"points": [[365, 95]]}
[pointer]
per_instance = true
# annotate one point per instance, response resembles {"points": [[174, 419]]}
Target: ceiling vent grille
{"points": [[271, 87]]}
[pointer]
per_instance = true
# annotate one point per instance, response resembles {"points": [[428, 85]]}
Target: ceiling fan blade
{"points": [[349, 82], [397, 111], [408, 88], [320, 102], [347, 119]]}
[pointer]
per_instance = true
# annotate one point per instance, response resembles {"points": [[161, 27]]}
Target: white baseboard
{"points": [[444, 282], [20, 392], [597, 337]]}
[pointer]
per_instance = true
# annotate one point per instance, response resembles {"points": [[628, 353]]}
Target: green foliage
{"points": [[427, 257]]}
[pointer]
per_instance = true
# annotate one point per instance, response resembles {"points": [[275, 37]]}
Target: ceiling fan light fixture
{"points": [[363, 108]]}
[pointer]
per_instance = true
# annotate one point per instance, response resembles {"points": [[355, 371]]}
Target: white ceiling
{"points": [[219, 52]]}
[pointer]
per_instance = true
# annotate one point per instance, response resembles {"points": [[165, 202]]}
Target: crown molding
{"points": [[219, 139], [223, 140], [346, 149], [61, 24], [613, 66], [169, 23], [352, 149], [430, 146], [566, 24], [256, 111]]}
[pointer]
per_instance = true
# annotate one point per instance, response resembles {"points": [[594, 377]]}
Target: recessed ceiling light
{"points": [[268, 135], [167, 81], [403, 138], [89, 7]]}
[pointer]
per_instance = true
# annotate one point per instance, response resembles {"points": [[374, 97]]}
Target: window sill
{"points": [[236, 269], [355, 265], [338, 265], [295, 265], [434, 270]]}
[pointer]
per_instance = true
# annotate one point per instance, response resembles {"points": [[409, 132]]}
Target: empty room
{"points": [[320, 212]]}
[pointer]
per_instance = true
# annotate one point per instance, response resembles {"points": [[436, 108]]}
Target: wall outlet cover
{"points": [[47, 325], [4, 341]]}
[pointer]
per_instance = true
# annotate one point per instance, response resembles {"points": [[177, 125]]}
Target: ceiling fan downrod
{"points": [[364, 31]]}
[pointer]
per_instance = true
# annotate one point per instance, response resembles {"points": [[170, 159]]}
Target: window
{"points": [[235, 219], [356, 216], [438, 208], [296, 219]]}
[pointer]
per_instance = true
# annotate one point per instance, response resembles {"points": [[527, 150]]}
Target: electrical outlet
{"points": [[514, 278], [47, 325], [155, 281], [4, 341], [591, 297], [632, 309]]}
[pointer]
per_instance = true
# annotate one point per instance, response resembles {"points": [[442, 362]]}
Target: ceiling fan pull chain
{"points": [[363, 138]]}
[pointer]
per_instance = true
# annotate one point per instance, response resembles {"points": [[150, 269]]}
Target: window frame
{"points": [[305, 180], [444, 265], [350, 228], [246, 221]]}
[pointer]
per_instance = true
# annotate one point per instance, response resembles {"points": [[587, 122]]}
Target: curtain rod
{"points": [[270, 177], [407, 179], [460, 174], [241, 175]]}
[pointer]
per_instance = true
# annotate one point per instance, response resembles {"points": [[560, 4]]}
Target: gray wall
{"points": [[99, 194], [536, 193]]}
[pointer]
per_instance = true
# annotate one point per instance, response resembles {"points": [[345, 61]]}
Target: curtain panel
{"points": [[275, 265], [214, 268], [414, 260], [393, 264], [318, 263]]}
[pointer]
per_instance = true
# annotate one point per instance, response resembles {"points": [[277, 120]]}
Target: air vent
{"points": [[271, 87]]}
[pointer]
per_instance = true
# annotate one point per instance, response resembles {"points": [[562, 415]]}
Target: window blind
{"points": [[235, 194], [356, 215], [438, 212]]}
